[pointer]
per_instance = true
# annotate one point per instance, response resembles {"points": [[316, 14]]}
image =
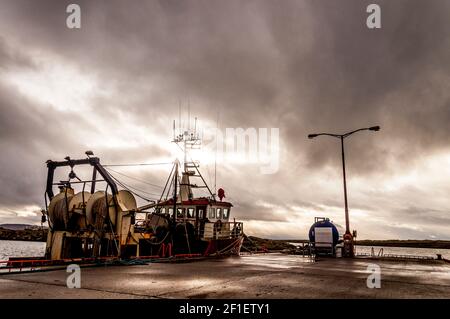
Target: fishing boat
{"points": [[103, 223]]}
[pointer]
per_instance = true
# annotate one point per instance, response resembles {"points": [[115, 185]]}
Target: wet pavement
{"points": [[256, 276]]}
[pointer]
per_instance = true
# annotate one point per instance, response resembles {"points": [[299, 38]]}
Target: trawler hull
{"points": [[225, 247], [198, 247]]}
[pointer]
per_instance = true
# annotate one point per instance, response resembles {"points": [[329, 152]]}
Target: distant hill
{"points": [[278, 244], [442, 244], [16, 226], [23, 232]]}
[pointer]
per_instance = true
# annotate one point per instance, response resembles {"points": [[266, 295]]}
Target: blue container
{"points": [[325, 222]]}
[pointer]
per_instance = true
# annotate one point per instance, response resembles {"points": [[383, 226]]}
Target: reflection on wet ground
{"points": [[255, 276]]}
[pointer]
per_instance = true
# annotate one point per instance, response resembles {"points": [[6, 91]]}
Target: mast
{"points": [[189, 139], [175, 193]]}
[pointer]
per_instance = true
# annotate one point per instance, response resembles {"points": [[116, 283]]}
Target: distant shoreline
{"points": [[27, 234], [437, 244], [411, 243], [40, 235]]}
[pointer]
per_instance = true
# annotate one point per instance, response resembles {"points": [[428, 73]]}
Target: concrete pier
{"points": [[256, 276]]}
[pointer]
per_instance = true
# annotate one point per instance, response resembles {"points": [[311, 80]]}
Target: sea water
{"points": [[16, 248]]}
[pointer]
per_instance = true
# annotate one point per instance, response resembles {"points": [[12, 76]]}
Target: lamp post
{"points": [[348, 237]]}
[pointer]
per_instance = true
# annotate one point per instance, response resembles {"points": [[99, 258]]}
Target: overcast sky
{"points": [[302, 66]]}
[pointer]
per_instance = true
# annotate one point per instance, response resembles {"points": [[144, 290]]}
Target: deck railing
{"points": [[221, 230]]}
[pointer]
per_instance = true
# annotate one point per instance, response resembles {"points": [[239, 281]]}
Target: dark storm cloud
{"points": [[356, 70], [302, 66], [27, 141], [309, 65]]}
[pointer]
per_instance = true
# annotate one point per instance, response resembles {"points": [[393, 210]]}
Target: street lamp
{"points": [[348, 237]]}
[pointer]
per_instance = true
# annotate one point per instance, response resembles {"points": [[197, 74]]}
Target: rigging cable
{"points": [[132, 187], [134, 178], [167, 182], [136, 164], [129, 188]]}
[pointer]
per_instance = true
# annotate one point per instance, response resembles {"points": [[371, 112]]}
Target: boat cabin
{"points": [[203, 209]]}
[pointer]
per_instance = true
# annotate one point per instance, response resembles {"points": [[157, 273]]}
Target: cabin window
{"points": [[169, 211], [219, 213], [201, 214], [226, 212], [180, 212], [190, 212], [212, 213]]}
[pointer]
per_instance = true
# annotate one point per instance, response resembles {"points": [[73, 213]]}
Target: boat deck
{"points": [[253, 276]]}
